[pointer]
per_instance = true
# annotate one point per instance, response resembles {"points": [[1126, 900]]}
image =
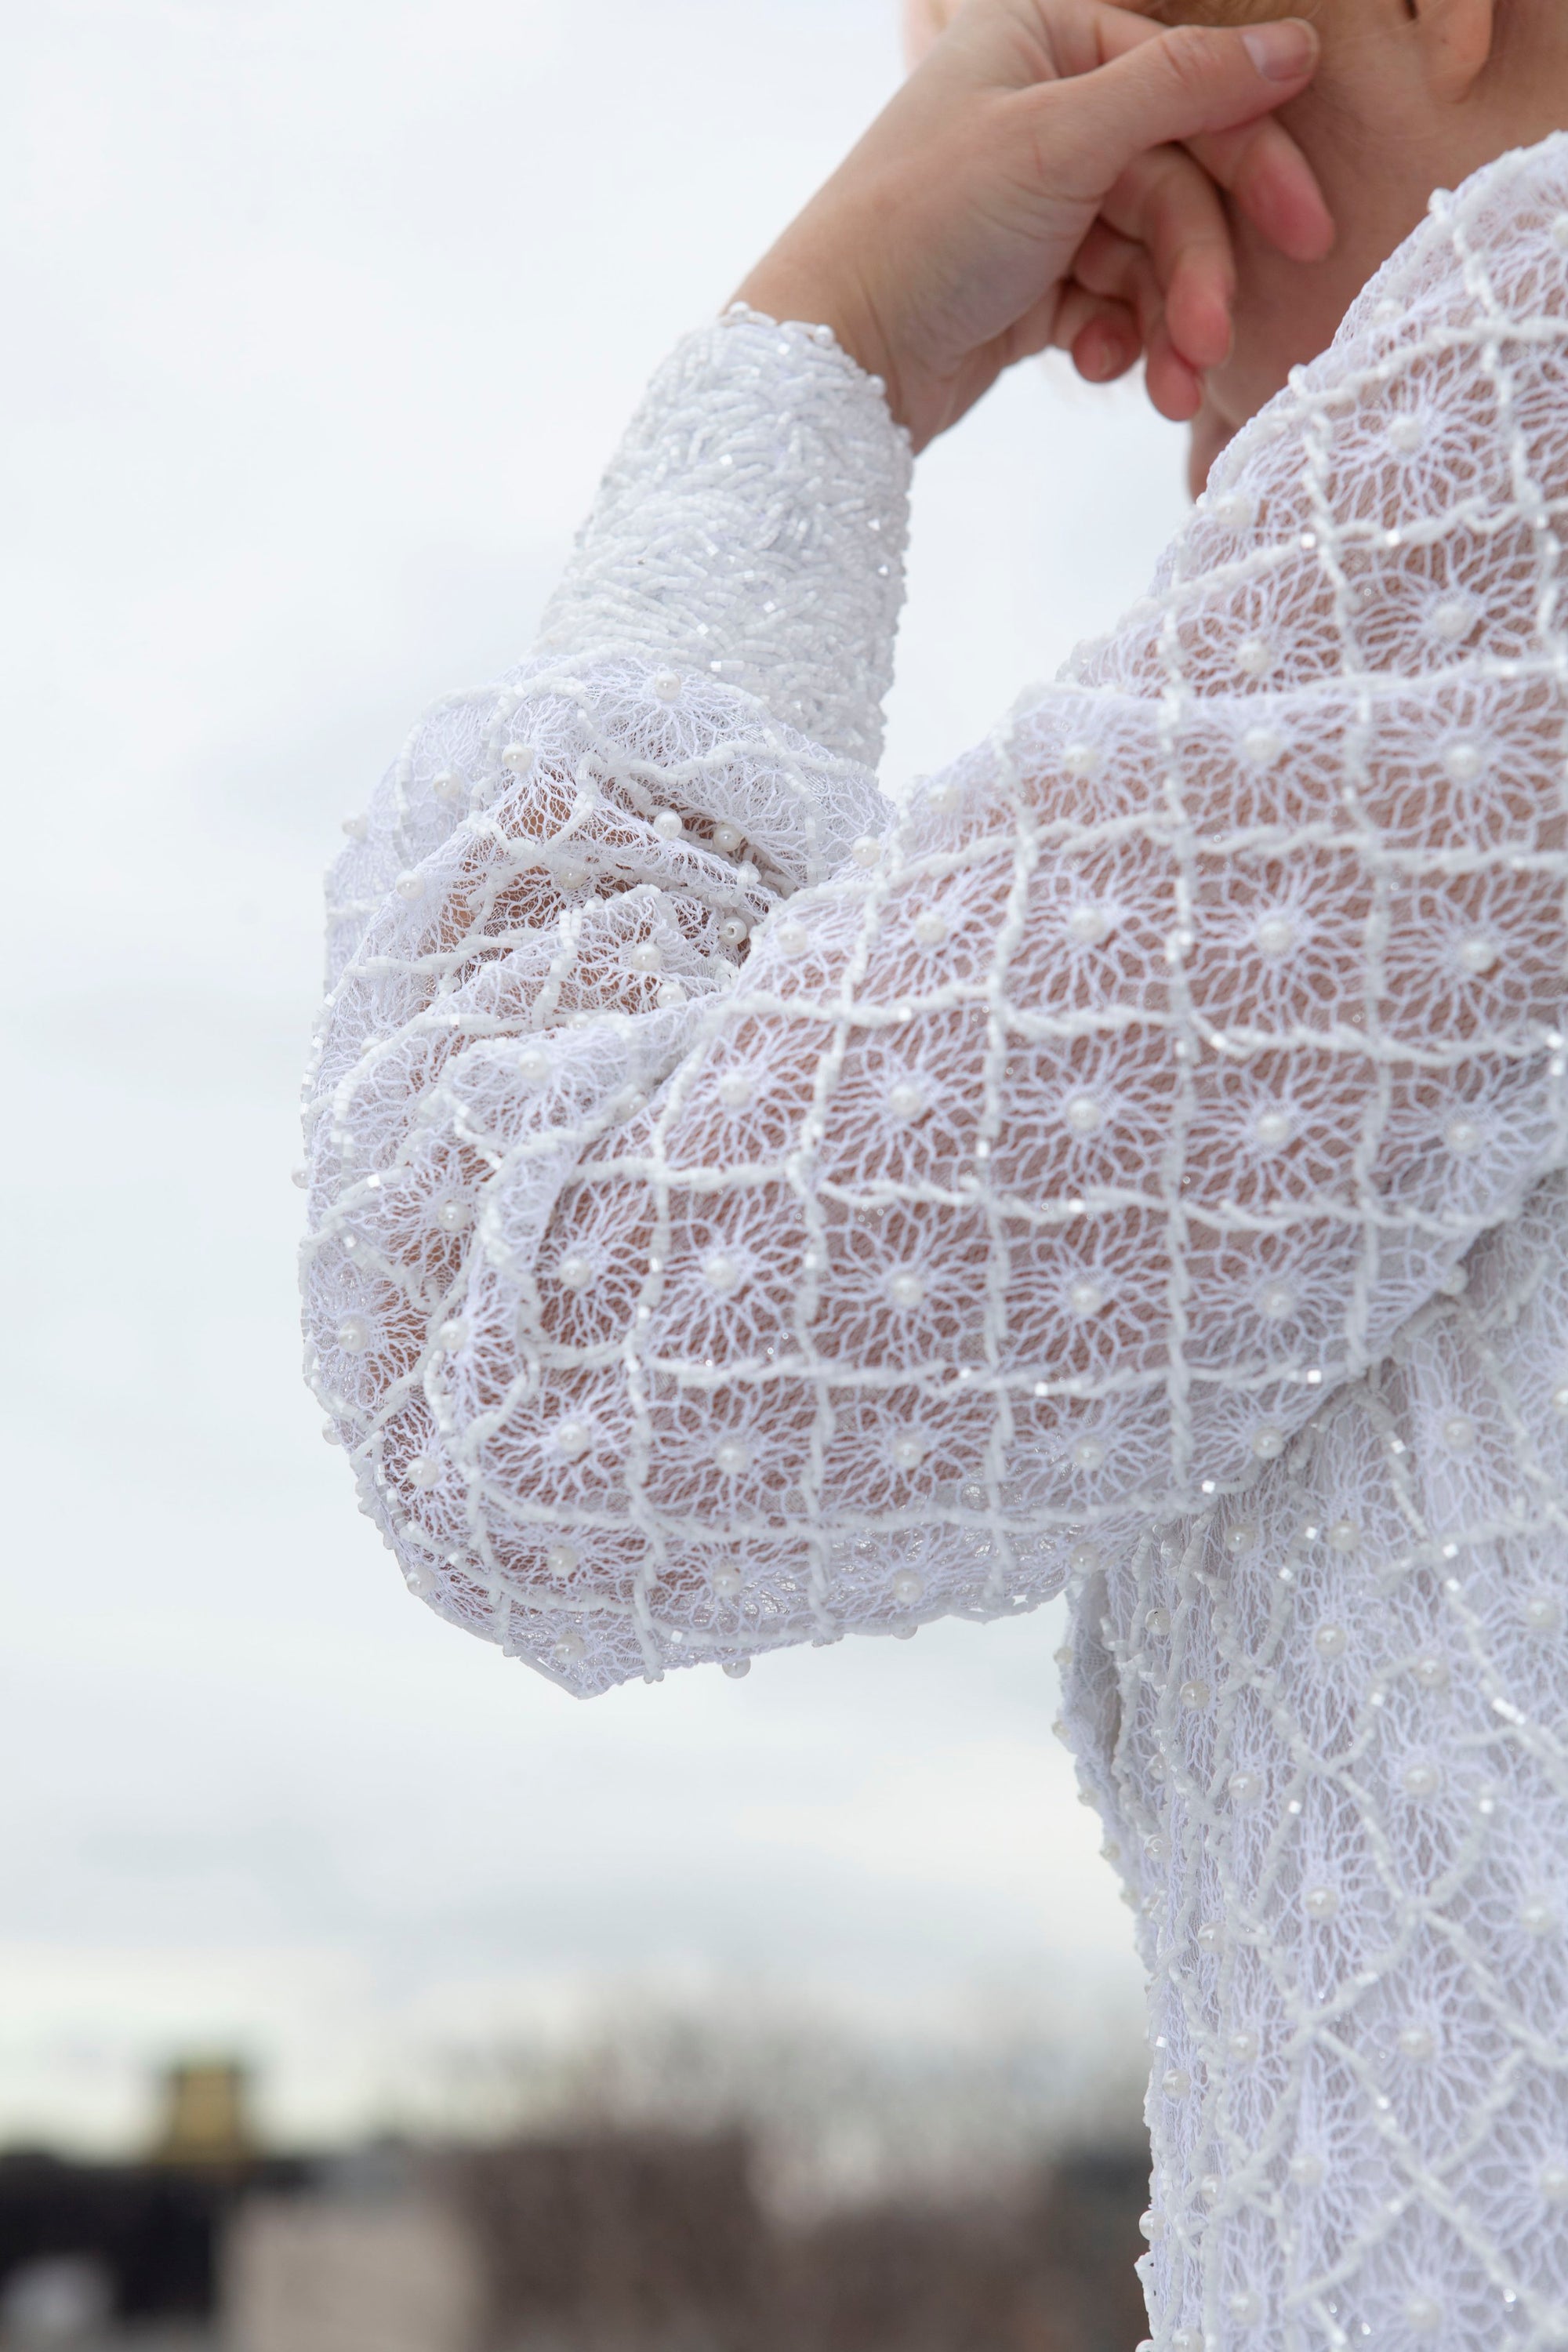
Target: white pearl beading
{"points": [[1231, 968]]}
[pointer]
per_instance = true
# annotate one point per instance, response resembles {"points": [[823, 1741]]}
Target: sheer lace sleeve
{"points": [[739, 1220]]}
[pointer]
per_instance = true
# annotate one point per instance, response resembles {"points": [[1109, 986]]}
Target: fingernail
{"points": [[1282, 51]]}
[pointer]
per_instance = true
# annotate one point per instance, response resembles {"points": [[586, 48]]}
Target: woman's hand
{"points": [[1048, 175]]}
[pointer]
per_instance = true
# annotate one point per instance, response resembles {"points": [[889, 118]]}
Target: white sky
{"points": [[322, 316]]}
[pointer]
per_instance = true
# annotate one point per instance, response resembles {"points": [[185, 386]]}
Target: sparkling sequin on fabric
{"points": [[739, 1216]]}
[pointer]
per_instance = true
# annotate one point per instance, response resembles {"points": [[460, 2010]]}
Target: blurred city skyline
{"points": [[329, 318]]}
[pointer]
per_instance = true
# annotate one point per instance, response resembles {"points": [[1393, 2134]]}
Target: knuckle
{"points": [[1190, 53]]}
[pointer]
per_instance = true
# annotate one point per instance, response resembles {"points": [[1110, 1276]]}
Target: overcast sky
{"points": [[322, 316]]}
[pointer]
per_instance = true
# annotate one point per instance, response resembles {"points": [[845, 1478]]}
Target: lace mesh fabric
{"points": [[740, 1216]]}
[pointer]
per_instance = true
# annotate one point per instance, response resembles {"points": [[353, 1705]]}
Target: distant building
{"points": [[206, 2117], [335, 2273]]}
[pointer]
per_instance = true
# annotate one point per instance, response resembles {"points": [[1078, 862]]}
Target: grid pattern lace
{"points": [[742, 1216]]}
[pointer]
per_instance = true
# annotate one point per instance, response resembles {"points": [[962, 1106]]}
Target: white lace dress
{"points": [[742, 1216]]}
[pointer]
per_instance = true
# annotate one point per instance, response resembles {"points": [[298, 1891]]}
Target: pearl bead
{"points": [[1463, 1137], [667, 825], [1187, 2340], [1210, 1936], [1082, 1114], [1431, 1673], [1420, 1780], [519, 758], [573, 1438], [908, 1588], [1423, 2312], [1462, 764], [576, 1272], [1194, 1694], [1306, 2171], [930, 929], [867, 850], [353, 1335], [728, 837], [1416, 2041], [1275, 935], [1262, 747], [1209, 2187], [1554, 2183], [1084, 1559], [669, 994], [1241, 1537], [1272, 1127], [1243, 2046], [733, 932], [560, 1559], [1320, 1902], [943, 798], [452, 1335], [1080, 760], [1235, 510], [422, 1471], [1246, 2306], [1344, 1536], [533, 1065], [666, 686], [1453, 618], [1459, 1432], [908, 1453], [1176, 2082], [1559, 1397], [1255, 657], [732, 1455], [735, 1089], [1476, 955], [1268, 1443], [1151, 2226], [1406, 435], [410, 886], [1089, 1453], [721, 1271], [1089, 926], [455, 1216], [791, 939], [569, 1647], [1560, 231], [646, 956], [1276, 1299], [905, 1101], [747, 873], [1330, 1641], [570, 873], [1537, 1918], [1085, 1298], [1157, 1622], [451, 790], [1542, 1614], [726, 1582], [906, 1288], [355, 827]]}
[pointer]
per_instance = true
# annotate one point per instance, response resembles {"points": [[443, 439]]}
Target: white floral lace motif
{"points": [[740, 1217]]}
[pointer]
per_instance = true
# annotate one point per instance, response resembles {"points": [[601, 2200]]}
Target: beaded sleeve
{"points": [[693, 1271]]}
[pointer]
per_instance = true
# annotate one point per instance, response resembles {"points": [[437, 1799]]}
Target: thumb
{"points": [[1174, 86]]}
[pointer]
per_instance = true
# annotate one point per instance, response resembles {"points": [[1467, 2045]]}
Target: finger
{"points": [[1113, 267], [1102, 336], [1273, 184], [1167, 204], [1159, 87]]}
